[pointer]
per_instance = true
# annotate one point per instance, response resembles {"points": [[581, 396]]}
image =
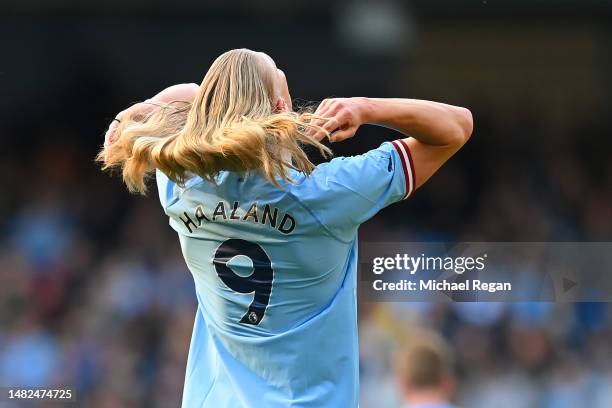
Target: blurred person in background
{"points": [[425, 373]]}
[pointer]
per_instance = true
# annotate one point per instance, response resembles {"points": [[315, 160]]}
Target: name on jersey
{"points": [[266, 215]]}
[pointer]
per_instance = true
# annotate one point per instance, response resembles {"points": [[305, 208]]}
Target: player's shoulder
{"points": [[347, 191], [170, 192], [345, 164], [346, 170]]}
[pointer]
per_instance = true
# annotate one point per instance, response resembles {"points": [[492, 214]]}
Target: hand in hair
{"points": [[341, 117]]}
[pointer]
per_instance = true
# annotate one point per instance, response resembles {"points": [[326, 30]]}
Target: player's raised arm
{"points": [[436, 130], [174, 93]]}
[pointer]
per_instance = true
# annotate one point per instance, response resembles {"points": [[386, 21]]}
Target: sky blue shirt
{"points": [[275, 278]]}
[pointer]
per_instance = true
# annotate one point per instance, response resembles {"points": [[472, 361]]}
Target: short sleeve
{"points": [[348, 191]]}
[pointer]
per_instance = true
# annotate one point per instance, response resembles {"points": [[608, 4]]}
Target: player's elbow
{"points": [[464, 125], [466, 122]]}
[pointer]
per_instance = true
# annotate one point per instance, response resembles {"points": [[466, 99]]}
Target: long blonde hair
{"points": [[231, 125]]}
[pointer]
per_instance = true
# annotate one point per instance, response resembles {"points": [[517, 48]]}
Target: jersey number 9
{"points": [[260, 281]]}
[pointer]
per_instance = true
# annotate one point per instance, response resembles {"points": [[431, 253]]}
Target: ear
{"points": [[281, 105]]}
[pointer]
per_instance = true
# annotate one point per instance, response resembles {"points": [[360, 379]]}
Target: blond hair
{"points": [[230, 125]]}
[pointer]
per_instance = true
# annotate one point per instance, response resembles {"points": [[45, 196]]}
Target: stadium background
{"points": [[93, 290]]}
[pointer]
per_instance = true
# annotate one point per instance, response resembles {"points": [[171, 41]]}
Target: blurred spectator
{"points": [[425, 371]]}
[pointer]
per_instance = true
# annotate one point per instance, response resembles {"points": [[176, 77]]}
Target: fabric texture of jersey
{"points": [[275, 279]]}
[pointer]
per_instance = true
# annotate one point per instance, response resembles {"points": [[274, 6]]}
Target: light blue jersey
{"points": [[275, 278]]}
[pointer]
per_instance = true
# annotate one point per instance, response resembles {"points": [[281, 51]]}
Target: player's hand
{"points": [[111, 133], [343, 116], [141, 108]]}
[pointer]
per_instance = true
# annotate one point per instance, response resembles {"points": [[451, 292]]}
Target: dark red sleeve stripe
{"points": [[411, 162], [407, 165]]}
